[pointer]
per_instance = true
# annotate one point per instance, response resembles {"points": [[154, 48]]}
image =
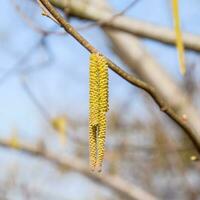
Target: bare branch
{"points": [[115, 183], [126, 24]]}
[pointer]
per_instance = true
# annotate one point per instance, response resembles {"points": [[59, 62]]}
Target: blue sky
{"points": [[62, 84]]}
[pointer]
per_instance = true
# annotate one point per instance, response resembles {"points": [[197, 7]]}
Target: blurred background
{"points": [[44, 103]]}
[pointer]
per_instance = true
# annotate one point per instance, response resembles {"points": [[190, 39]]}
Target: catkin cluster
{"points": [[98, 107]]}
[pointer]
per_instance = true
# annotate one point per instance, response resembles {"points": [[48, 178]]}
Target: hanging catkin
{"points": [[179, 39], [93, 109], [103, 87], [98, 106]]}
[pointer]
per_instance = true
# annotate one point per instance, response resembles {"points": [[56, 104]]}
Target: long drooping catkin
{"points": [[98, 108], [93, 109], [103, 106]]}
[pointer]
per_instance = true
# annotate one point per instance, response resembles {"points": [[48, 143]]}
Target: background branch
{"points": [[97, 12], [115, 183]]}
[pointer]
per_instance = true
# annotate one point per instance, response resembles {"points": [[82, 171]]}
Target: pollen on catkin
{"points": [[98, 106], [92, 146], [101, 142], [93, 110]]}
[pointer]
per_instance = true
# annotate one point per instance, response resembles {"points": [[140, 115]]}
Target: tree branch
{"points": [[103, 15], [192, 134], [115, 183]]}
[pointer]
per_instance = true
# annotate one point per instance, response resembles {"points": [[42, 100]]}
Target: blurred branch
{"points": [[103, 22], [95, 13], [154, 32], [192, 134], [115, 183], [27, 19]]}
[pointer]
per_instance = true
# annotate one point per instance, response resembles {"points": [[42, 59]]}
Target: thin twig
{"points": [[130, 78], [35, 101], [31, 23], [19, 63], [103, 22]]}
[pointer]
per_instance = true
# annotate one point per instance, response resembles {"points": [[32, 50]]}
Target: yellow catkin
{"points": [[103, 84], [179, 39], [60, 125], [103, 95], [101, 141], [98, 106], [14, 141], [92, 146], [93, 109], [94, 90]]}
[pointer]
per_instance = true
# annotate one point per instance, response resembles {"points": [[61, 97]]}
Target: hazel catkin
{"points": [[98, 106]]}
